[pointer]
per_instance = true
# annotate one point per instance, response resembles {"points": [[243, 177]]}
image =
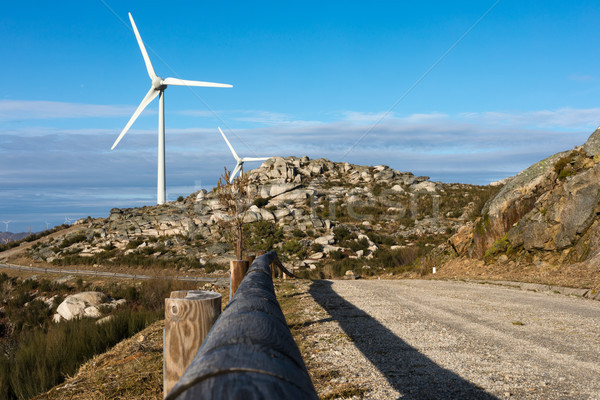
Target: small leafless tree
{"points": [[235, 198]]}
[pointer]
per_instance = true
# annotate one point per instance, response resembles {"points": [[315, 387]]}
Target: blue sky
{"points": [[344, 80]]}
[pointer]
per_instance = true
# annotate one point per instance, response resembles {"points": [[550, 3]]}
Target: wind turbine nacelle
{"points": [[157, 83]]}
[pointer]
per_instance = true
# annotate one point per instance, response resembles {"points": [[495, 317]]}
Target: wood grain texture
{"points": [[238, 270], [189, 316], [250, 352]]}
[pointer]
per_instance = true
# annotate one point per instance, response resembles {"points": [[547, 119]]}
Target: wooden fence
{"points": [[249, 352]]}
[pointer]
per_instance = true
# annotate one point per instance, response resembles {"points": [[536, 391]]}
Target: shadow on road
{"points": [[411, 373]]}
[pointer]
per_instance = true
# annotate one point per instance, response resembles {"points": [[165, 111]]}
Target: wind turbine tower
{"points": [[158, 89]]}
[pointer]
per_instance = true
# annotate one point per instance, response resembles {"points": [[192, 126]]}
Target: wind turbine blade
{"points": [[238, 166], [149, 97], [229, 144], [181, 82], [255, 158], [143, 49]]}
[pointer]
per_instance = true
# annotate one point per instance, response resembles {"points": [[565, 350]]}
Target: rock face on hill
{"points": [[305, 208], [550, 210]]}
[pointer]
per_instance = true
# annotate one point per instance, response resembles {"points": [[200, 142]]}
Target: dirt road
{"points": [[455, 340]]}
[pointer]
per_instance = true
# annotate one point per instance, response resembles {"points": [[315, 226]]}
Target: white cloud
{"points": [[48, 168], [563, 118]]}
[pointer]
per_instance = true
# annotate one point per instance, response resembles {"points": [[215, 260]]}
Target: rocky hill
{"points": [[323, 217], [547, 216]]}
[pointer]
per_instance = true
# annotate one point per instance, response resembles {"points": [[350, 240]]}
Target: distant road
{"points": [[220, 281]]}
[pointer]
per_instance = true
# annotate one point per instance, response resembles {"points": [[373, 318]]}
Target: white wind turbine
{"points": [[240, 161], [158, 89], [6, 223]]}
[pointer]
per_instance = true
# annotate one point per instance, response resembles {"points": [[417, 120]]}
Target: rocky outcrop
{"points": [[592, 145], [514, 201], [85, 304], [560, 215], [303, 198], [551, 208]]}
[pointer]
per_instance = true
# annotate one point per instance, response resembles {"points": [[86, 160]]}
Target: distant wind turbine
{"points": [[6, 223], [239, 161], [158, 89]]}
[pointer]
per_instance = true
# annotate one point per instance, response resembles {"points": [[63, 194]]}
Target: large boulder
{"points": [[80, 305]]}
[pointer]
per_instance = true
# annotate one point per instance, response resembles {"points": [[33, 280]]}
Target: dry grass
{"points": [[133, 369], [579, 275], [130, 370]]}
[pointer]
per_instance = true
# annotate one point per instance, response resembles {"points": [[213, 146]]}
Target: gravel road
{"points": [[415, 339]]}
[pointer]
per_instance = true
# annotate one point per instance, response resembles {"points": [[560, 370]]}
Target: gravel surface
{"points": [[414, 339]]}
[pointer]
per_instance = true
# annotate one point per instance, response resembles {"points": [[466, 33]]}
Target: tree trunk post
{"points": [[189, 315], [238, 271]]}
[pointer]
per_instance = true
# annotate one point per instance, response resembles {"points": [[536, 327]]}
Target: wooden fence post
{"points": [[189, 315], [238, 271]]}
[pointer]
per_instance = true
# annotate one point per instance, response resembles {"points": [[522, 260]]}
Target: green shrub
{"points": [[22, 317], [71, 240], [211, 267], [563, 166], [316, 247], [133, 244], [336, 255], [500, 246], [394, 259], [380, 238], [262, 235], [356, 245], [294, 248], [565, 172], [339, 268], [342, 233], [298, 233]]}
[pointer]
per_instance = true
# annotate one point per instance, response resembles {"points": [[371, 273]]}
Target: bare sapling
{"points": [[234, 196]]}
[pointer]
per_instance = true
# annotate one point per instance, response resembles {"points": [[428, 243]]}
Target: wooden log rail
{"points": [[249, 352]]}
